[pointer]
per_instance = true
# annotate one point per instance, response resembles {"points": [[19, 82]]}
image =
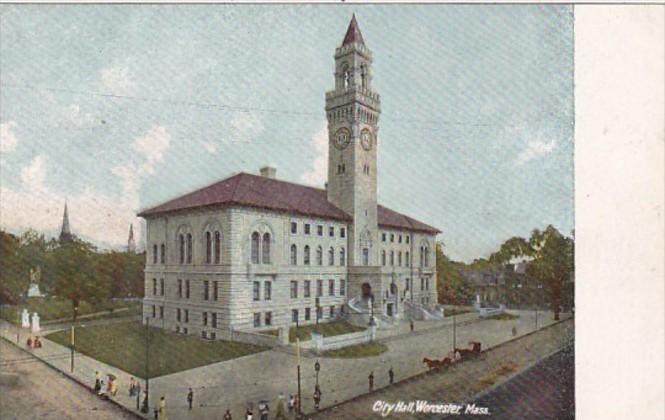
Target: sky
{"points": [[115, 108]]}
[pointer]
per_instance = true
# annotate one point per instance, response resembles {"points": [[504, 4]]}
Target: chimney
{"points": [[268, 172]]}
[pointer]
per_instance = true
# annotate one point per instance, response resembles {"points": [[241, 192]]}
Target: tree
{"points": [[452, 287], [553, 262], [73, 270], [14, 274]]}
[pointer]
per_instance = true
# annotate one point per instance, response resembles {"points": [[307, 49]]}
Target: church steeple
{"points": [[65, 232], [131, 244]]}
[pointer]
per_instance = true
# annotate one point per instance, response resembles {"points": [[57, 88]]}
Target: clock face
{"points": [[342, 138], [366, 139]]}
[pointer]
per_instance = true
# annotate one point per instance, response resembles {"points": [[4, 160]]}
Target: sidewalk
{"points": [[59, 357]]}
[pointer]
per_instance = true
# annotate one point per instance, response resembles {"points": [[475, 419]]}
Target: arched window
{"points": [[189, 248], [163, 254], [154, 254], [383, 257], [331, 256], [181, 248], [265, 249], [421, 257], [218, 247], [255, 247], [426, 257], [392, 258], [363, 75], [407, 258], [294, 255], [319, 256], [399, 258], [306, 255], [342, 257], [208, 248]]}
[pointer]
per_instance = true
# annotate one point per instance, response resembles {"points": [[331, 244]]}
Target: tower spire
{"points": [[65, 232], [131, 244], [353, 33]]}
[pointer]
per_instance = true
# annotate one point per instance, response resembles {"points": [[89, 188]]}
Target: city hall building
{"points": [[253, 252]]}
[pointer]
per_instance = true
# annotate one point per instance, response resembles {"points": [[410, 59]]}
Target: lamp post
{"points": [[144, 408], [71, 367], [299, 407], [317, 368]]}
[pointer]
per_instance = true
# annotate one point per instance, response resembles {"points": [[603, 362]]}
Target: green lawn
{"points": [[50, 309], [503, 317], [124, 345], [328, 329], [361, 350]]}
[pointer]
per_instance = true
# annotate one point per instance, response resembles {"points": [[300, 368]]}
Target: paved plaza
{"points": [[236, 383]]}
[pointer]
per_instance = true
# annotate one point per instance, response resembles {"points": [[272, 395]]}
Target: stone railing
{"points": [[249, 338], [487, 312], [321, 343]]}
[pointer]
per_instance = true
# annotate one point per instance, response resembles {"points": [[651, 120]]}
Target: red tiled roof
{"points": [[353, 33], [261, 192]]}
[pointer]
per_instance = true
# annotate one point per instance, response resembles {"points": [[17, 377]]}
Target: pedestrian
{"points": [[131, 386], [249, 414], [411, 325], [227, 415], [162, 408], [98, 383], [292, 403], [391, 375], [156, 414], [296, 403], [190, 398], [280, 413], [264, 410], [317, 397], [371, 381], [514, 331]]}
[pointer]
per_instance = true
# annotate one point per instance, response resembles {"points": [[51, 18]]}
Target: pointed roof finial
{"points": [[353, 33], [65, 232]]}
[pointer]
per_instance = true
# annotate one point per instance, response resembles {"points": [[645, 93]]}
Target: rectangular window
{"points": [[257, 291], [399, 239], [307, 229], [422, 284], [206, 290], [161, 287], [331, 287], [214, 319], [294, 227], [257, 319], [308, 314], [177, 329], [365, 256], [154, 311], [331, 231], [308, 288], [331, 312], [319, 230], [342, 287], [294, 289], [187, 289], [186, 318], [204, 334], [342, 232], [205, 319], [161, 312], [268, 317], [179, 288], [399, 258], [407, 238], [319, 312], [184, 331], [392, 258], [154, 287], [215, 290], [392, 237], [213, 335], [267, 290], [383, 237], [294, 315], [319, 288], [177, 314]]}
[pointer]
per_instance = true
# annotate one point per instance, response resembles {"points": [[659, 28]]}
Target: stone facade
{"points": [[214, 267]]}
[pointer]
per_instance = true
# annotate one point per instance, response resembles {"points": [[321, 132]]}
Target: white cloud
{"points": [[211, 147], [534, 150], [8, 138], [116, 80], [318, 173], [97, 216], [245, 126], [33, 175]]}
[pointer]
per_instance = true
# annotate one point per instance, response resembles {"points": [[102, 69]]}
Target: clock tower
{"points": [[353, 109]]}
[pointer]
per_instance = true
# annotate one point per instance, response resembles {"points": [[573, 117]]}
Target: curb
{"points": [[75, 380]]}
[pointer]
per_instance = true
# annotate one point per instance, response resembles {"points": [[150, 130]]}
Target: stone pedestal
{"points": [[283, 335]]}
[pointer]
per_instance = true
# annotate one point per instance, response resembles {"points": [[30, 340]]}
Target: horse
{"points": [[437, 364]]}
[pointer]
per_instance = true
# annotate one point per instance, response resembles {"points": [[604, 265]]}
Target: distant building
{"points": [[131, 244], [65, 231]]}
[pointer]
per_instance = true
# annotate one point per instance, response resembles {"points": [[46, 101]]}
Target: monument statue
{"points": [[35, 323], [25, 319], [33, 290]]}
